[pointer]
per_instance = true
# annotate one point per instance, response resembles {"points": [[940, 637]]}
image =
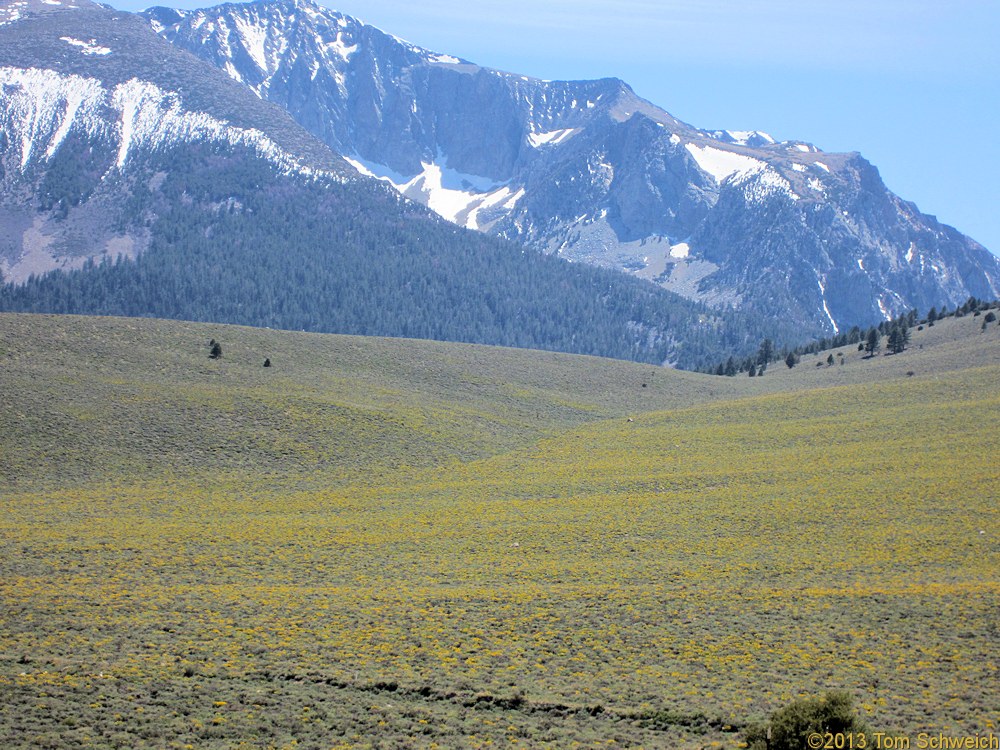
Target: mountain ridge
{"points": [[586, 171], [593, 172], [114, 34], [133, 187]]}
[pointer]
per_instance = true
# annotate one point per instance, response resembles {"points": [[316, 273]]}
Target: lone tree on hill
{"points": [[216, 350], [872, 344], [791, 360]]}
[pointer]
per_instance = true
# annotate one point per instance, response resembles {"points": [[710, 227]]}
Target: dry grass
{"points": [[401, 544]]}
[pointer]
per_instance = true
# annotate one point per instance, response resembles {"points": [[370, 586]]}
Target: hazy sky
{"points": [[914, 85]]}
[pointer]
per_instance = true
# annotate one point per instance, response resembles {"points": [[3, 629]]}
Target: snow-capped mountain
{"points": [[589, 170], [138, 179], [90, 101]]}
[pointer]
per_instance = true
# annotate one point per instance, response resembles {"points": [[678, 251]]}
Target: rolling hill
{"points": [[379, 542]]}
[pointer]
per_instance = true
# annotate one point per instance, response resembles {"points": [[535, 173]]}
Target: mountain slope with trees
{"points": [[138, 180], [354, 258]]}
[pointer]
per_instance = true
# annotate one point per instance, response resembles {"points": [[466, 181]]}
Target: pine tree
{"points": [[766, 352], [872, 344], [895, 341]]}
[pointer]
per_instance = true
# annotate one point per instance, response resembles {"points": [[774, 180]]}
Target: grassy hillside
{"points": [[85, 397], [385, 543], [88, 397]]}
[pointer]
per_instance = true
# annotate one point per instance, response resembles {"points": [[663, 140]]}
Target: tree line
{"points": [[895, 331]]}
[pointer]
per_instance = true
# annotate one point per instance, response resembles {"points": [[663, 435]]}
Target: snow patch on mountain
{"points": [[882, 308], [456, 196], [503, 197], [822, 294], [444, 191], [509, 205], [444, 59], [760, 185], [680, 250], [722, 164], [743, 137], [235, 75], [40, 108], [379, 171], [88, 48], [553, 137], [340, 48], [12, 12], [254, 38]]}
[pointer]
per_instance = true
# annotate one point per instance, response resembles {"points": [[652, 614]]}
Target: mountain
{"points": [[83, 122], [590, 171], [137, 179]]}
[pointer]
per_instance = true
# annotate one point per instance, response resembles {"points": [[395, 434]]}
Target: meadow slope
{"points": [[380, 543]]}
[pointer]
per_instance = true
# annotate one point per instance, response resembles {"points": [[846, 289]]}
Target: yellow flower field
{"points": [[614, 583]]}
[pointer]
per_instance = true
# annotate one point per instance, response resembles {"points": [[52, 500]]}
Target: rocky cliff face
{"points": [[590, 171]]}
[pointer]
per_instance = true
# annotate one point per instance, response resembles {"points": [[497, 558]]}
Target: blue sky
{"points": [[914, 85]]}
